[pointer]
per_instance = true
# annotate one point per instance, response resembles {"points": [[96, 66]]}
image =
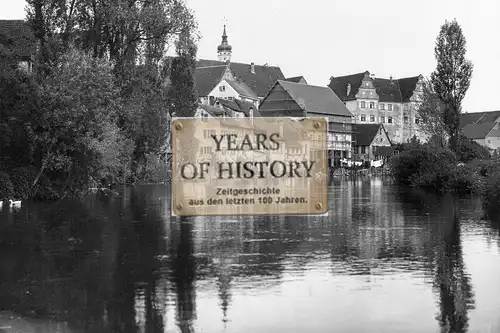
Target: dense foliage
{"points": [[470, 170], [96, 109]]}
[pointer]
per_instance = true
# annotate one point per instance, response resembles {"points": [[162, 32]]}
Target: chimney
{"points": [[252, 68]]}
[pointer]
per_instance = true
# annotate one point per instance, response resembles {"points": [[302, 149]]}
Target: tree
{"points": [[431, 115], [75, 130], [182, 92], [469, 150], [452, 76]]}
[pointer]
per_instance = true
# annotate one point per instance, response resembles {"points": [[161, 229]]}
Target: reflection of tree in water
{"points": [[136, 279], [451, 280], [184, 276]]}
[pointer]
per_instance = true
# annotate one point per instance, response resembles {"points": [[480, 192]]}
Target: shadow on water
{"points": [[89, 263], [123, 265]]}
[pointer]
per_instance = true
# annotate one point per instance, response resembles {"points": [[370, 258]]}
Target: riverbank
{"points": [[441, 170]]}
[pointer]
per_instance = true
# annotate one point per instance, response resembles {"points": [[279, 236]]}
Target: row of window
{"points": [[382, 106], [383, 119]]}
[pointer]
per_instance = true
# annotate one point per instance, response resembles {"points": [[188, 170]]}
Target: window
{"points": [[363, 117], [389, 107], [389, 120], [417, 121], [363, 150], [382, 106], [382, 120], [206, 150], [363, 104], [406, 107], [222, 88], [372, 118], [230, 98], [366, 84], [372, 105], [208, 133], [406, 120]]}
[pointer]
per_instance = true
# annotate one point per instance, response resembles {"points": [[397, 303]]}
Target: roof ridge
{"points": [[203, 67], [301, 84]]}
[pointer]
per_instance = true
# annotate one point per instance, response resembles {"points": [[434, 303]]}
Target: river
{"points": [[385, 260]]}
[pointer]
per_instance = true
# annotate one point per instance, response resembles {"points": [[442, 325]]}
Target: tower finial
{"points": [[224, 49]]}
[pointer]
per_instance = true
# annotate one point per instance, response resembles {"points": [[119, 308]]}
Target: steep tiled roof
{"points": [[206, 78], [478, 131], [238, 106], [214, 111], [315, 99], [395, 91], [365, 133], [17, 36], [387, 90], [295, 79], [242, 89], [339, 85], [406, 86], [260, 82], [478, 118]]}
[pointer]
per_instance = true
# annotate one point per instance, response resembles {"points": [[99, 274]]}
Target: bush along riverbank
{"points": [[469, 171]]}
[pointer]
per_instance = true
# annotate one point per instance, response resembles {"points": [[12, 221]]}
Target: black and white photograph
{"points": [[274, 166]]}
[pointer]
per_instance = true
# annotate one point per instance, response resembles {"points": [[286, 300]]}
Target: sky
{"points": [[319, 39]]}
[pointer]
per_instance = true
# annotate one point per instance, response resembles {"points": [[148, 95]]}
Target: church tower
{"points": [[224, 49]]}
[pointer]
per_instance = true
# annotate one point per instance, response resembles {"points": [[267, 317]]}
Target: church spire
{"points": [[224, 49]]}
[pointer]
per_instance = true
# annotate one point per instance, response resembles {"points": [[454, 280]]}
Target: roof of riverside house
{"points": [[388, 90], [479, 130], [17, 36], [242, 89], [206, 78], [364, 134], [238, 106], [213, 110], [295, 79], [479, 118], [313, 99], [260, 82]]}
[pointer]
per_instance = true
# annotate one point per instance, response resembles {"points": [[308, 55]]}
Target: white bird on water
{"points": [[15, 203]]}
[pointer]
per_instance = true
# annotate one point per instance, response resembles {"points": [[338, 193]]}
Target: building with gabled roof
{"points": [[479, 117], [368, 138], [291, 99], [485, 133], [208, 73], [233, 90], [482, 127], [391, 102]]}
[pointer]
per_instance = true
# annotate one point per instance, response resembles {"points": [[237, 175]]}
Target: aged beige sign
{"points": [[243, 166]]}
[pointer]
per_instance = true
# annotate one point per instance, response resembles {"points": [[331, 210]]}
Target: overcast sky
{"points": [[323, 38]]}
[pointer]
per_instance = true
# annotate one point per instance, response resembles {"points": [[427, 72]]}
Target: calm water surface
{"points": [[385, 260]]}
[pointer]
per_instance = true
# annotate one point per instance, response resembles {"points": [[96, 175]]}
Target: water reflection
{"points": [[384, 260]]}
